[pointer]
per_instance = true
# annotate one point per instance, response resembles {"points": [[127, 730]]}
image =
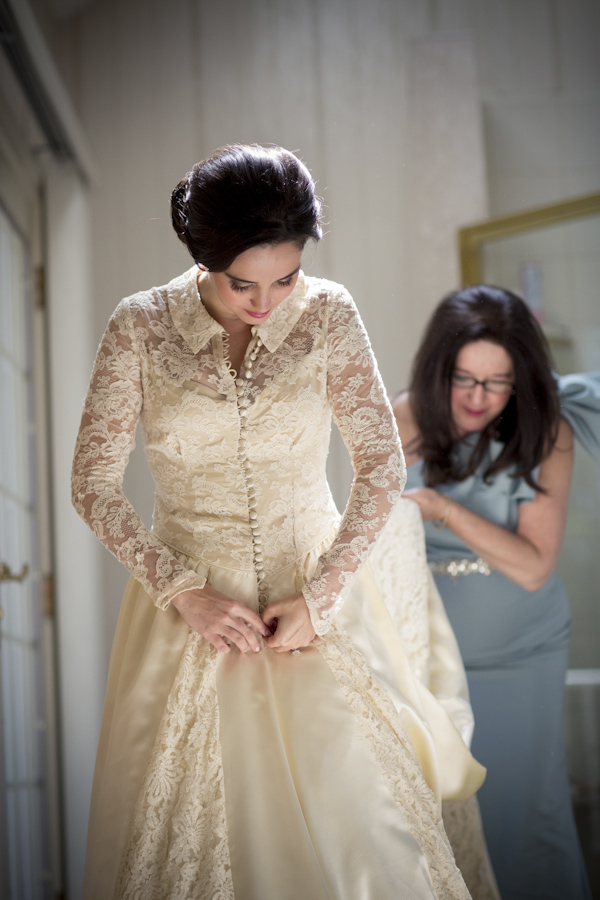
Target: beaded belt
{"points": [[456, 567]]}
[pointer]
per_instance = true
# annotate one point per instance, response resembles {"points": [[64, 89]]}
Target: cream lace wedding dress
{"points": [[297, 776]]}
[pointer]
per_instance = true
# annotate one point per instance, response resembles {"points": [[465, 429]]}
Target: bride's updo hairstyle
{"points": [[242, 196], [527, 426]]}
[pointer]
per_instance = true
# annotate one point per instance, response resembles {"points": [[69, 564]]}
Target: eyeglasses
{"points": [[490, 385]]}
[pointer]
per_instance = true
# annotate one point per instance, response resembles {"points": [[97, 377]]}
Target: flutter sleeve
{"points": [[364, 416], [106, 438], [580, 406]]}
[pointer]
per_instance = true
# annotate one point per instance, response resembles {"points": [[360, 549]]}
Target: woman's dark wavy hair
{"points": [[241, 196], [528, 424]]}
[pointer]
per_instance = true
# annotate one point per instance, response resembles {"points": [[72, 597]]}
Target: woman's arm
{"points": [[105, 440], [529, 555], [362, 413]]}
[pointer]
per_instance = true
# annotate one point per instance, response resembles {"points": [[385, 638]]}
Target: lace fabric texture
{"points": [[396, 758], [403, 578], [163, 361], [183, 787], [464, 828], [400, 563]]}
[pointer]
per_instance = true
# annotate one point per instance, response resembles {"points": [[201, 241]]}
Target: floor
{"points": [[587, 816], [582, 733]]}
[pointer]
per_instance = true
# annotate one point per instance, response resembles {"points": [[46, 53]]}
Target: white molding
{"points": [[79, 624], [586, 677], [49, 77]]}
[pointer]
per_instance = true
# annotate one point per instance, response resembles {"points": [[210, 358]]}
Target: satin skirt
{"points": [[258, 776]]}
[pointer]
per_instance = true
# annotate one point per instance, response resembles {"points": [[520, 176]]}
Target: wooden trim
{"points": [[472, 237]]}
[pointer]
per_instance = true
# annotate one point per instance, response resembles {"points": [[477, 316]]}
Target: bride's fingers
{"points": [[211, 606], [247, 635], [289, 636], [224, 629], [253, 619], [245, 640], [273, 612], [218, 643]]}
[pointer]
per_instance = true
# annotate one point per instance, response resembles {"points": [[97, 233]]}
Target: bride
{"points": [[266, 734]]}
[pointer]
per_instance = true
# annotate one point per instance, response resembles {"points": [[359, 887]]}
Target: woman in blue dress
{"points": [[488, 437]]}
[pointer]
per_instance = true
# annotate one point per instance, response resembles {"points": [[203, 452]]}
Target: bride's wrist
{"points": [[180, 600]]}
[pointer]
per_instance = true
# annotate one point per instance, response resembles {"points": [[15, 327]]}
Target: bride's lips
{"points": [[473, 412], [256, 315]]}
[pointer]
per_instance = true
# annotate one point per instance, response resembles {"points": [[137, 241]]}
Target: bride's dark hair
{"points": [[242, 196], [528, 424]]}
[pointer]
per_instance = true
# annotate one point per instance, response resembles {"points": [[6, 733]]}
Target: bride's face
{"points": [[255, 283]]}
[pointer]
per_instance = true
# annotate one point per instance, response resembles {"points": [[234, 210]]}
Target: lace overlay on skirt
{"points": [[462, 820], [177, 846], [396, 758], [188, 857]]}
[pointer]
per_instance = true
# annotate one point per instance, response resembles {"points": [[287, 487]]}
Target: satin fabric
{"points": [[298, 776], [287, 734], [428, 720]]}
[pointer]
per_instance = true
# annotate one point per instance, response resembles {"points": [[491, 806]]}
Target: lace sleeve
{"points": [[105, 440], [363, 414]]}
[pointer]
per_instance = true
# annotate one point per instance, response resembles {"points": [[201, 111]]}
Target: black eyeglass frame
{"points": [[472, 382]]}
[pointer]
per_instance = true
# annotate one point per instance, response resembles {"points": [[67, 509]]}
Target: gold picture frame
{"points": [[472, 237]]}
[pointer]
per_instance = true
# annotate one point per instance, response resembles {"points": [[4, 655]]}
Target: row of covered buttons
{"points": [[243, 404]]}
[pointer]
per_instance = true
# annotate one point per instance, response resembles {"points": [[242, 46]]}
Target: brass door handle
{"points": [[7, 575]]}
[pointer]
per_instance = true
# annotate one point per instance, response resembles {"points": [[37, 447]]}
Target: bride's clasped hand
{"points": [[285, 624]]}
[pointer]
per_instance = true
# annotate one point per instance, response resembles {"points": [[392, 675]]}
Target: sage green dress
{"points": [[515, 646]]}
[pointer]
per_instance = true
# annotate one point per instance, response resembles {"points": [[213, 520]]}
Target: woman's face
{"points": [[474, 407], [255, 283]]}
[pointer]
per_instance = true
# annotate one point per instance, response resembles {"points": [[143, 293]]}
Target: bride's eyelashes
{"points": [[242, 288]]}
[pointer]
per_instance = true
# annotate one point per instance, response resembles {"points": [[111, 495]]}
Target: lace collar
{"points": [[197, 326]]}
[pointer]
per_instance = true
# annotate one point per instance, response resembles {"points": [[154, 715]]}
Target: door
{"points": [[29, 832]]}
